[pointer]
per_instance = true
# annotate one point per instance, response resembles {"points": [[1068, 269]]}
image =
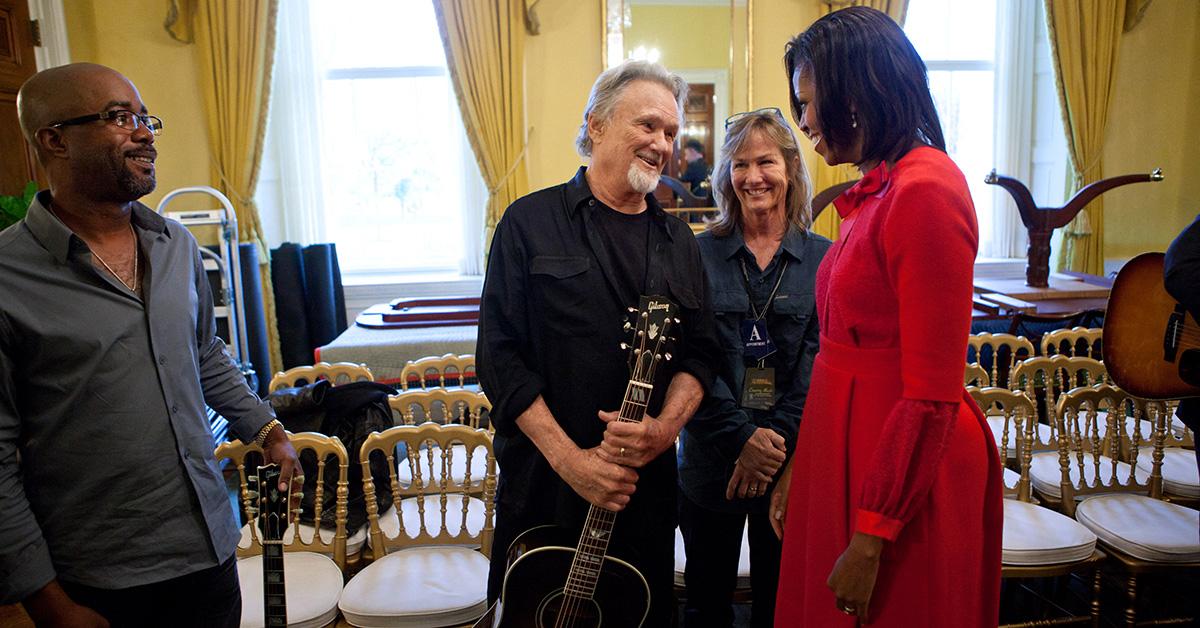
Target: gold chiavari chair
{"points": [[433, 549], [1084, 342], [1037, 542], [1044, 380], [337, 373], [976, 375], [464, 407], [1181, 478], [1000, 351], [1122, 503], [314, 557], [446, 371]]}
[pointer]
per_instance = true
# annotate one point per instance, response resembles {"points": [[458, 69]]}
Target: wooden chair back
{"points": [[1045, 379], [466, 407], [976, 375], [331, 457], [998, 353], [1016, 436], [446, 371], [1076, 341], [1089, 457], [442, 502], [337, 373]]}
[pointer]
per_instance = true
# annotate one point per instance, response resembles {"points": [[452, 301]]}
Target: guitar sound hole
{"points": [[575, 613]]}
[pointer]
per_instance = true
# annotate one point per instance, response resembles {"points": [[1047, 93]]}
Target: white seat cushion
{"points": [[410, 508], [354, 542], [420, 586], [313, 585], [1011, 479], [743, 576], [431, 467], [1145, 528], [1180, 475], [1046, 477], [1039, 536]]}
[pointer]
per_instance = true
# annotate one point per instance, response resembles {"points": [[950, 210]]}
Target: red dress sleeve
{"points": [[929, 239]]}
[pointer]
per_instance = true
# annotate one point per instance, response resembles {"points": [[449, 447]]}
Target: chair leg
{"points": [[1096, 597], [1131, 610]]}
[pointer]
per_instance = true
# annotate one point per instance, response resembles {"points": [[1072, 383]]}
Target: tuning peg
{"points": [[252, 480], [667, 356], [628, 326], [298, 495], [252, 511], [252, 494], [624, 346], [675, 320], [632, 310]]}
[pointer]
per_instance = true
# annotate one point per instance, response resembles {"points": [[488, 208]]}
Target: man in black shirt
{"points": [[565, 264], [696, 172]]}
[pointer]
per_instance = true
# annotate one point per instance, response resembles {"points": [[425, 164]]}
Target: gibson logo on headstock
{"points": [[654, 306]]}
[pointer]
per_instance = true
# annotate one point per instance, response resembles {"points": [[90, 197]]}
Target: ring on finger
{"points": [[622, 452], [849, 610]]}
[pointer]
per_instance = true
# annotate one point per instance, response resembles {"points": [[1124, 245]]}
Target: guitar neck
{"points": [[597, 528], [274, 588]]}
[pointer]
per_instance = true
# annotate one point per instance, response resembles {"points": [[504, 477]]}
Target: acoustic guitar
{"points": [[557, 581], [1151, 343], [271, 512]]}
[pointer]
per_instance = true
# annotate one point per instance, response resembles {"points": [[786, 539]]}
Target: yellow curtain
{"points": [[235, 42], [485, 51], [824, 176], [1084, 40]]}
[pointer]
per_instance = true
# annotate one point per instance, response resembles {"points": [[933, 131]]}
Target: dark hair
{"points": [[772, 126], [695, 145], [859, 57]]}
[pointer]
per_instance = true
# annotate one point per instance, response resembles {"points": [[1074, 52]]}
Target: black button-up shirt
{"points": [[102, 393], [551, 325]]}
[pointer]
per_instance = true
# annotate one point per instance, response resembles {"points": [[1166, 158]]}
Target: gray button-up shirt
{"points": [[102, 395]]}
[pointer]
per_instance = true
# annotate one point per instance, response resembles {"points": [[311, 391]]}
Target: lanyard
{"points": [[771, 299]]}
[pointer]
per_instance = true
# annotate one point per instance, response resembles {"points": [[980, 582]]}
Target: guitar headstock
{"points": [[270, 505], [652, 328]]}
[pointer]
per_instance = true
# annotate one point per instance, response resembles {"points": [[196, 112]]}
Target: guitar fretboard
{"points": [[597, 528], [274, 588]]}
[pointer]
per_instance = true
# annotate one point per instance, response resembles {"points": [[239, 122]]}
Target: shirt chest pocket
{"points": [[790, 316], [565, 293], [730, 307]]}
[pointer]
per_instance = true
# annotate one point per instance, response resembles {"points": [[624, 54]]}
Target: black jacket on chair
{"points": [[351, 412]]}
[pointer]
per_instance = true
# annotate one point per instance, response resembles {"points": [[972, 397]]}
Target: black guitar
{"points": [[554, 581], [271, 512]]}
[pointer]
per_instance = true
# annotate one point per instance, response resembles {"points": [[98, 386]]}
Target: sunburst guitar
{"points": [[562, 579], [1151, 343]]}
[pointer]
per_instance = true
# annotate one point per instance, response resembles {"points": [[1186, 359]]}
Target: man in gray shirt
{"points": [[112, 508]]}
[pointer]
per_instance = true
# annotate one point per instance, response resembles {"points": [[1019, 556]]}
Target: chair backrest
{"points": [[328, 452], [975, 375], [997, 354], [1045, 379], [446, 371], [337, 373], [1034, 326], [442, 501], [1017, 412], [1076, 341], [413, 407], [1089, 452]]}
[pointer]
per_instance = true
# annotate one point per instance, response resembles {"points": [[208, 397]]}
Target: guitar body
{"points": [[1150, 347], [539, 562]]}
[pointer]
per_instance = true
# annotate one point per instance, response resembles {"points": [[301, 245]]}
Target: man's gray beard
{"points": [[642, 182]]}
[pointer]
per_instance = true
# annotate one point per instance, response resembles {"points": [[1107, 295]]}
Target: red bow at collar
{"points": [[874, 182]]}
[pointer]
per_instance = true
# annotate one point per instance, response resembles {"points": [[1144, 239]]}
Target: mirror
{"points": [[704, 41]]}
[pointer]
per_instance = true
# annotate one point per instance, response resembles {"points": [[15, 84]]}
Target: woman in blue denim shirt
{"points": [[761, 263]]}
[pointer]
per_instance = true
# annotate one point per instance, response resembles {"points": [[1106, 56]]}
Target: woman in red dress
{"points": [[891, 508]]}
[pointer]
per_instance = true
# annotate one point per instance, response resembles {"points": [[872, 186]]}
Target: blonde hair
{"points": [[797, 203]]}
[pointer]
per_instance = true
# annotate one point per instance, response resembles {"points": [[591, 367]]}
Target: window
{"points": [[398, 190], [988, 63]]}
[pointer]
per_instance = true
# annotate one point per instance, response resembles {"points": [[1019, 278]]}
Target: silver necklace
{"points": [[96, 255]]}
